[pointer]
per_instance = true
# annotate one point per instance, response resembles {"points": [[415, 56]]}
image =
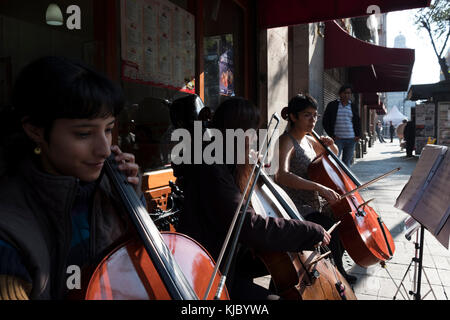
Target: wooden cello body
{"points": [[153, 265], [302, 275], [363, 233], [127, 273]]}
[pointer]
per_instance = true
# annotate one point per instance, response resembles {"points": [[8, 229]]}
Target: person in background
{"points": [[342, 123], [391, 131], [400, 133], [379, 130], [410, 137]]}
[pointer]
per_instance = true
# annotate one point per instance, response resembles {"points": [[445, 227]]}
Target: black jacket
{"points": [[35, 218], [211, 198], [329, 119], [410, 133]]}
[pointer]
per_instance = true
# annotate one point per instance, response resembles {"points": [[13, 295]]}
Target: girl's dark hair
{"points": [[236, 113], [51, 88], [297, 104]]}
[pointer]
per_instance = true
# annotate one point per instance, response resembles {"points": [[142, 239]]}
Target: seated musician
{"points": [[212, 193], [56, 209], [296, 151]]}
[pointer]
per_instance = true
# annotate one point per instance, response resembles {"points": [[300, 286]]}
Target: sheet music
{"points": [[444, 235], [426, 196], [412, 192], [435, 201]]}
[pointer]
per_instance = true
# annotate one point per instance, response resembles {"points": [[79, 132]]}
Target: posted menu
{"points": [[158, 44]]}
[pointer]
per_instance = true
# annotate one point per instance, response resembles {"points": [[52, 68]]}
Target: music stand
{"points": [[411, 227], [422, 198]]}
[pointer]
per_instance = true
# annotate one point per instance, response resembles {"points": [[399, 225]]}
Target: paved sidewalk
{"points": [[375, 282]]}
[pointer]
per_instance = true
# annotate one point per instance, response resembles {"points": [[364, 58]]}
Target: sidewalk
{"points": [[375, 283]]}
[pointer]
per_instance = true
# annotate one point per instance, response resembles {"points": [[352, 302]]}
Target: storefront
{"points": [[432, 113], [161, 50], [371, 69], [156, 49]]}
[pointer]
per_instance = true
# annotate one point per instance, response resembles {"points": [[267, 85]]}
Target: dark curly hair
{"points": [[297, 104]]}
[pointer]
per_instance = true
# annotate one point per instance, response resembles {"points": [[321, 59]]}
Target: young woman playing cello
{"points": [[212, 194], [56, 209], [297, 150]]}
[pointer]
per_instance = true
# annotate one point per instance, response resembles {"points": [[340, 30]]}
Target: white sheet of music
{"points": [[426, 196]]}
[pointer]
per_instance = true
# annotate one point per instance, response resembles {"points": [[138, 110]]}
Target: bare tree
{"points": [[435, 19]]}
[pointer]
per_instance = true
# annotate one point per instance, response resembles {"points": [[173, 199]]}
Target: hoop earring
{"points": [[37, 150]]}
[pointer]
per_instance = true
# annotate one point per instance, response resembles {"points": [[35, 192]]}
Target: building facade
{"points": [[160, 50]]}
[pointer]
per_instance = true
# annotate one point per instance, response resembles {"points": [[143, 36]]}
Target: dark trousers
{"points": [[409, 149], [346, 149]]}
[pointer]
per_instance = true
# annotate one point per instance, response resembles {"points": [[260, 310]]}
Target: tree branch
{"points": [[445, 42], [428, 28]]}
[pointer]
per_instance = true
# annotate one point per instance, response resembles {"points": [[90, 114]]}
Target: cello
{"points": [[161, 266], [306, 275], [363, 234], [297, 275]]}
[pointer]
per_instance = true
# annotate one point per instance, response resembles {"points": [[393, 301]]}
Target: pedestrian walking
{"points": [[400, 133], [379, 130], [410, 137], [341, 122], [391, 131]]}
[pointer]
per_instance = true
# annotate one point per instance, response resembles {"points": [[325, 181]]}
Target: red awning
{"points": [[380, 108], [372, 68], [282, 13], [370, 98], [382, 111]]}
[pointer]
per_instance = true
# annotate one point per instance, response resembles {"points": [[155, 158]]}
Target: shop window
{"points": [[25, 35], [144, 130], [223, 51], [157, 65], [145, 126]]}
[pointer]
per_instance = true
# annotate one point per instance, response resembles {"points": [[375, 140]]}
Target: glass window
{"points": [[223, 51], [164, 71]]}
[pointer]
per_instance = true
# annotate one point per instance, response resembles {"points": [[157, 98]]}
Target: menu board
{"points": [[444, 123], [425, 127], [158, 44]]}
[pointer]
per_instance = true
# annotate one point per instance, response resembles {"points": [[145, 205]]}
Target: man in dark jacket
{"points": [[342, 123], [410, 137]]}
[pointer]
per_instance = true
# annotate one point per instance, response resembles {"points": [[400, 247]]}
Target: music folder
{"points": [[426, 196]]}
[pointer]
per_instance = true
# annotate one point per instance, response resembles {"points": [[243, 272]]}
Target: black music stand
{"points": [[411, 227], [422, 198]]}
